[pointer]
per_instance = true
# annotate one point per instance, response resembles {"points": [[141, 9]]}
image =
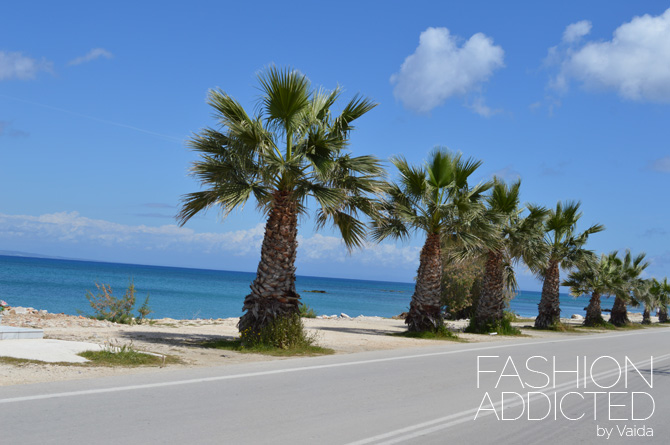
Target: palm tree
{"points": [[292, 149], [516, 237], [661, 290], [645, 296], [599, 277], [437, 200], [631, 270], [566, 250]]}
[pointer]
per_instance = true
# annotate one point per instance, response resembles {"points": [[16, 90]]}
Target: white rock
{"points": [[21, 310], [577, 317], [343, 315]]}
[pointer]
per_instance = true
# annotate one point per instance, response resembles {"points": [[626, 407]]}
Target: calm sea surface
{"points": [[61, 285]]}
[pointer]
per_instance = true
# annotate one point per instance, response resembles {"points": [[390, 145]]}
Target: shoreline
{"points": [[183, 338]]}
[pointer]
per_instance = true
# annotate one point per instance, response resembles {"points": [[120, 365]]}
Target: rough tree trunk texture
{"points": [[491, 301], [424, 309], [273, 292], [549, 309], [619, 314], [593, 312], [646, 316], [663, 314]]}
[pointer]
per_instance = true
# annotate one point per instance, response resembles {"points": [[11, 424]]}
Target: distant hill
{"points": [[32, 255]]}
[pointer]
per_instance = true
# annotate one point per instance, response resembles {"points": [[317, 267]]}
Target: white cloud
{"points": [[661, 165], [71, 228], [440, 69], [479, 107], [576, 31], [635, 62], [15, 65], [93, 54], [507, 173]]}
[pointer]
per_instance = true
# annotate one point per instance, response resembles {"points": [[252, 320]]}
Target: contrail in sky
{"points": [[104, 121]]}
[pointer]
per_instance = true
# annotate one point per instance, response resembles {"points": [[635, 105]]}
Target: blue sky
{"points": [[96, 101]]}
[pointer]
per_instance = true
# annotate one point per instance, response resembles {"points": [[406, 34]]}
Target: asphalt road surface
{"points": [[596, 388]]}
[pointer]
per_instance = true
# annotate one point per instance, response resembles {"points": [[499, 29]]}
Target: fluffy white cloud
{"points": [[440, 69], [15, 65], [635, 62], [661, 165], [71, 228], [93, 54], [576, 31]]}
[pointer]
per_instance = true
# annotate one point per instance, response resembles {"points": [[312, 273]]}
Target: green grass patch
{"points": [[126, 356], [559, 327], [24, 361], [237, 346], [599, 327], [502, 327], [441, 334], [629, 326]]}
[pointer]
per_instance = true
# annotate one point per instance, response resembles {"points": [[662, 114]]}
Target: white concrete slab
{"points": [[47, 350], [14, 333]]}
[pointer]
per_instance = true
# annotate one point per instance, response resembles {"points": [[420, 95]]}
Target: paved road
{"points": [[419, 396]]}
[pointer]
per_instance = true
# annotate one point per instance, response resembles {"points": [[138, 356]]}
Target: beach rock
{"points": [[21, 310], [577, 317], [343, 315]]}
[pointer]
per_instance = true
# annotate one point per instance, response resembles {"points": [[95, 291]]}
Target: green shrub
{"points": [[306, 311], [502, 327], [118, 310], [283, 332]]}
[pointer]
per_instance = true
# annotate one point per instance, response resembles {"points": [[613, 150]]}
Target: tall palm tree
{"points": [[566, 250], [293, 148], [515, 238], [599, 277], [661, 290], [631, 270], [644, 295], [437, 200]]}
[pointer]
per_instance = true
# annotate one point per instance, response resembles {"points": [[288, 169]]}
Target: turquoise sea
{"points": [[61, 285]]}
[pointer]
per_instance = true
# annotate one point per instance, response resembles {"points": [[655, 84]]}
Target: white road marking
{"points": [[305, 368]]}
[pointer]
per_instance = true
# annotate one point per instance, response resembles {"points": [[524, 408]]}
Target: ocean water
{"points": [[61, 285]]}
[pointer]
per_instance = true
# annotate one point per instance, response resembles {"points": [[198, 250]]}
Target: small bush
{"points": [[503, 327], [306, 311], [117, 310], [283, 333], [442, 333]]}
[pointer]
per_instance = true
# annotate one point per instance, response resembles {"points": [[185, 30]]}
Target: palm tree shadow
{"points": [[174, 339], [362, 331]]}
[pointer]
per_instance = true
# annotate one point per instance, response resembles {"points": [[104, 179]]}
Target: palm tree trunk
{"points": [[593, 312], [663, 314], [491, 301], [425, 308], [273, 292], [619, 314], [646, 315], [549, 309]]}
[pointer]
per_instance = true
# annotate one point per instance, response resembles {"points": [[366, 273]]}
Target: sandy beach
{"points": [[182, 339]]}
